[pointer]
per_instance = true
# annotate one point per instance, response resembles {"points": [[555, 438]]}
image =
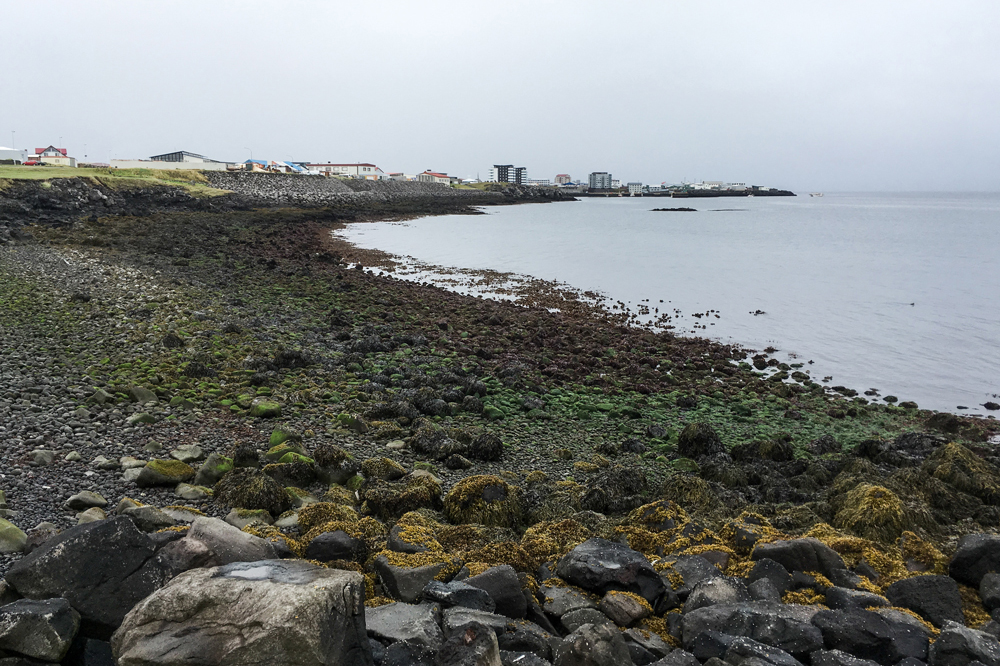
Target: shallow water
{"points": [[899, 292]]}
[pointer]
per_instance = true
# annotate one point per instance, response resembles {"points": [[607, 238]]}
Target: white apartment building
{"points": [[363, 170]]}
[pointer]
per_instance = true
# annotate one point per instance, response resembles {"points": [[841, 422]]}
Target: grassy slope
{"points": [[193, 182]]}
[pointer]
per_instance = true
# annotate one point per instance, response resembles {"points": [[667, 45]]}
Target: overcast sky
{"points": [[812, 96]]}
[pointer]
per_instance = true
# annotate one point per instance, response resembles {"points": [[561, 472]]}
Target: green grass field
{"points": [[193, 182]]}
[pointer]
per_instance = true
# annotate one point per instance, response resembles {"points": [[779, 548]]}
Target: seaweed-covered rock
{"points": [[386, 469], [317, 514], [389, 500], [963, 470], [872, 512], [245, 454], [486, 447], [776, 450], [334, 464], [298, 474], [618, 489], [246, 488], [699, 439], [484, 499]]}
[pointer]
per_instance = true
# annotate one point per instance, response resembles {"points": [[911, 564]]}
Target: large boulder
{"points": [[38, 629], [934, 598], [593, 645], [599, 565], [871, 635], [976, 556], [503, 586], [102, 568], [472, 644], [802, 555], [785, 626], [959, 646], [269, 612]]}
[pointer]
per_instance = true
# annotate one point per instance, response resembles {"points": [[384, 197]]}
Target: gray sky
{"points": [[812, 96]]}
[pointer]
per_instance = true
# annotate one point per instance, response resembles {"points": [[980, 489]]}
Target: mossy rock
{"points": [[389, 500], [484, 499], [265, 409], [386, 469], [246, 488], [315, 515], [493, 413], [164, 473], [275, 453], [214, 468], [283, 434], [292, 457], [366, 529], [872, 512]]}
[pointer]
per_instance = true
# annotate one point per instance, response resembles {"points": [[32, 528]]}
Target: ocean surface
{"points": [[894, 292]]}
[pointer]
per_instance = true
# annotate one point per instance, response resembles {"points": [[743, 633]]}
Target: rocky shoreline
{"points": [[222, 445]]}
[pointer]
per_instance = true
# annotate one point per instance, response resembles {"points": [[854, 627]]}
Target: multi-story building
{"points": [[600, 180], [563, 178], [508, 173], [616, 184], [539, 182], [362, 170], [635, 189]]}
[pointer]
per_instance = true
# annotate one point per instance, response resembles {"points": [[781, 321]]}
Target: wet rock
{"points": [[772, 571], [934, 598], [272, 611], [38, 629], [989, 591], [678, 658], [764, 590], [581, 616], [458, 593], [598, 565], [840, 658], [744, 650], [841, 598], [693, 569], [560, 600], [419, 624]]}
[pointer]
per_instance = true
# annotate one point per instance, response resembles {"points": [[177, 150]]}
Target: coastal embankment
{"points": [[201, 401]]}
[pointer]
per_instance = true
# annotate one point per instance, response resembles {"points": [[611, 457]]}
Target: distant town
{"points": [[597, 183]]}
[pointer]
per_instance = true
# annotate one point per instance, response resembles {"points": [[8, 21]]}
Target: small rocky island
{"points": [[224, 441]]}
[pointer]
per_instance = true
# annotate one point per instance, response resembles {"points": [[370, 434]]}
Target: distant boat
{"points": [[815, 194]]}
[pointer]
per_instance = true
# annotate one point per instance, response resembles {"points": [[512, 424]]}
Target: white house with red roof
{"points": [[433, 177], [53, 155], [361, 170]]}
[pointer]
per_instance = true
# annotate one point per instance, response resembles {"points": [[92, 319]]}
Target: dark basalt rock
{"points": [[976, 556], [869, 635], [801, 555], [102, 568], [934, 598], [599, 565]]}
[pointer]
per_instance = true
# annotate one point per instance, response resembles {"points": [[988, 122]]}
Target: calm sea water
{"points": [[897, 292]]}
